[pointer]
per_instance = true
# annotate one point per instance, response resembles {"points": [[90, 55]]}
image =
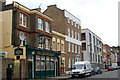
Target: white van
{"points": [[81, 68], [115, 65]]}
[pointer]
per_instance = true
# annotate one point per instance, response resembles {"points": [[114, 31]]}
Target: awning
{"points": [[3, 53]]}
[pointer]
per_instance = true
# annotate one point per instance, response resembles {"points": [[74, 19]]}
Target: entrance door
{"points": [[30, 69]]}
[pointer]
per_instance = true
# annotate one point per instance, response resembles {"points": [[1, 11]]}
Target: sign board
{"points": [[19, 51]]}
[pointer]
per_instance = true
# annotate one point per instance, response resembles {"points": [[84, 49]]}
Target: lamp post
{"points": [[33, 64]]}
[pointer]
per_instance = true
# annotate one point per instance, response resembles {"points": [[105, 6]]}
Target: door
{"points": [[30, 69]]}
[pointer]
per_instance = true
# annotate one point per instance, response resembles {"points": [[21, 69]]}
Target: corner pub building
{"points": [[29, 41]]}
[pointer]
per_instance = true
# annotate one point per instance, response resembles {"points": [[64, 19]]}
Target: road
{"points": [[110, 75]]}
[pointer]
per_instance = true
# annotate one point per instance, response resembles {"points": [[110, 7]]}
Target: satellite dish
{"points": [[22, 36]]}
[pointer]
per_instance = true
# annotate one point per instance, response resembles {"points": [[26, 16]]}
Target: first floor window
{"points": [[48, 44], [53, 45], [58, 46], [37, 63], [41, 46], [62, 47]]}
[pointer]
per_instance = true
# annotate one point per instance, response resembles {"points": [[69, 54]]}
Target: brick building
{"points": [[91, 48], [67, 24], [27, 38], [106, 55]]}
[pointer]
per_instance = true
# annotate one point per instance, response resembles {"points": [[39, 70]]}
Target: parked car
{"points": [[96, 71], [81, 68], [110, 68]]}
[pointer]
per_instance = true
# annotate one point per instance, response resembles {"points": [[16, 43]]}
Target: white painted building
{"points": [[91, 47]]}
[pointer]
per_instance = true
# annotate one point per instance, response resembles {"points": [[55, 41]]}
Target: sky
{"points": [[100, 16]]}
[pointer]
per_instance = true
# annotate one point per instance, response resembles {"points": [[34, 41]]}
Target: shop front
{"points": [[42, 63]]}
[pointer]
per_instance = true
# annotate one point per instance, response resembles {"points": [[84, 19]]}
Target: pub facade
{"points": [[30, 42]]}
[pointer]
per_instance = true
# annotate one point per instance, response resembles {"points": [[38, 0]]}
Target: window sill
{"points": [[24, 26]]}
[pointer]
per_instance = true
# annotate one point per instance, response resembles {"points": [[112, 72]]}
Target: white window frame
{"points": [[53, 45], [72, 33], [47, 27], [22, 24], [58, 46], [78, 36], [47, 44], [68, 46], [72, 22], [40, 23], [69, 32], [78, 26], [78, 49], [75, 35], [72, 47], [75, 48], [62, 47], [75, 24], [69, 63]]}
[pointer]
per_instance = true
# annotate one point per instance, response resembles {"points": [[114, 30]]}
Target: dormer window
{"points": [[23, 20]]}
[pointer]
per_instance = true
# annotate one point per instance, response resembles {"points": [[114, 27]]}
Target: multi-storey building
{"points": [[106, 55], [91, 48], [58, 44], [67, 24], [26, 37], [116, 51]]}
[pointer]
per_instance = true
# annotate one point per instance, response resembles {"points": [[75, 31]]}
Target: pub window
{"points": [[47, 63], [42, 67], [37, 63], [23, 20], [52, 63]]}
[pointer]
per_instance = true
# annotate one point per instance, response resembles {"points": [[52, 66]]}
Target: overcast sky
{"points": [[100, 16]]}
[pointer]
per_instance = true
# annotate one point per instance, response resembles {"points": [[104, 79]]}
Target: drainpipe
{"points": [[14, 11]]}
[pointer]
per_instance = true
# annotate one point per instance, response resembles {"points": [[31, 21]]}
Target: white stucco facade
{"points": [[93, 52]]}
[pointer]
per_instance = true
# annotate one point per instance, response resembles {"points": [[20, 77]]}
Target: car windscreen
{"points": [[78, 66]]}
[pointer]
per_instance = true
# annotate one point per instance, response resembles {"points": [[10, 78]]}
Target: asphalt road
{"points": [[109, 75]]}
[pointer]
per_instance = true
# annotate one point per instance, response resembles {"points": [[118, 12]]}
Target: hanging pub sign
{"points": [[42, 40], [19, 51]]}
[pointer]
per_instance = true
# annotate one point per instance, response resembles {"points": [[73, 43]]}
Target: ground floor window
{"points": [[44, 63]]}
